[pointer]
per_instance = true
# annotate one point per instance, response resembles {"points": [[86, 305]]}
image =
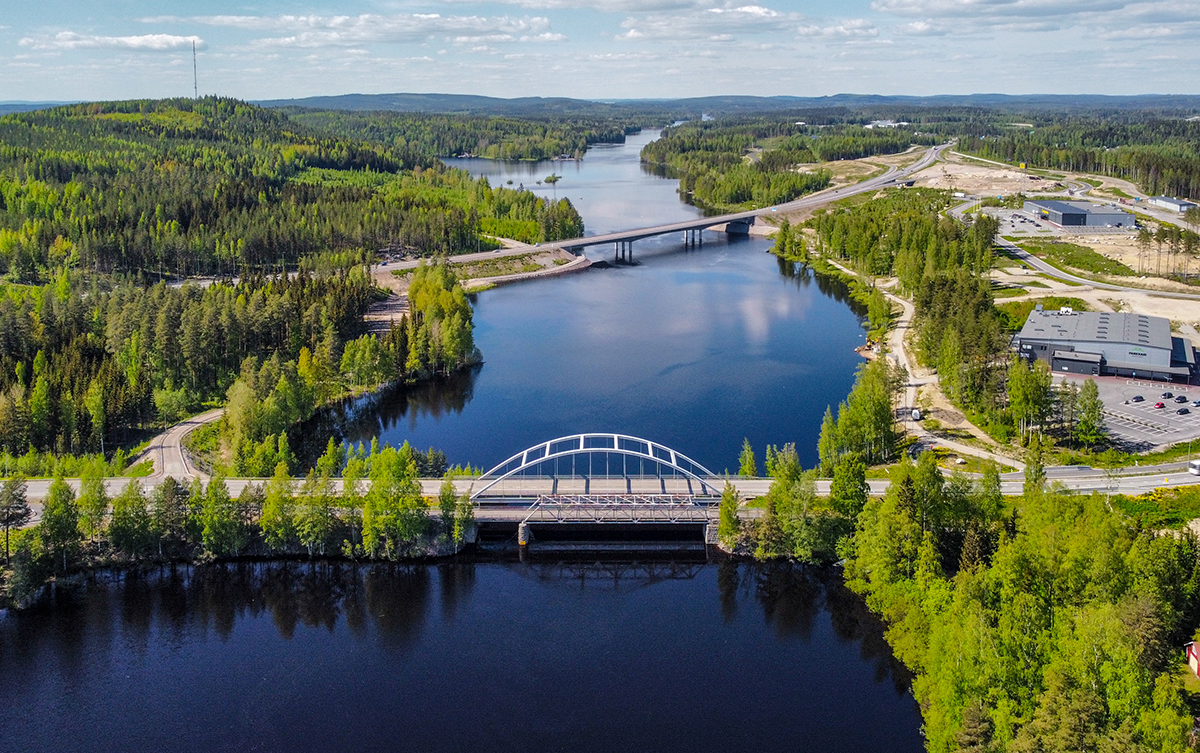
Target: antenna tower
{"points": [[195, 81]]}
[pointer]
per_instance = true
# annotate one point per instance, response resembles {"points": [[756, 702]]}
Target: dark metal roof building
{"points": [[1102, 343], [1079, 214]]}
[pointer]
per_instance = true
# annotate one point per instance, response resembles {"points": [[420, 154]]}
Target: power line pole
{"points": [[195, 80]]}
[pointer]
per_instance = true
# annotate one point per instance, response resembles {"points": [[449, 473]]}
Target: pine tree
{"points": [[972, 557]]}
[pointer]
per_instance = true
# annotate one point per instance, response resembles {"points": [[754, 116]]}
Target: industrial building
{"points": [[1078, 214], [1166, 202], [1106, 344]]}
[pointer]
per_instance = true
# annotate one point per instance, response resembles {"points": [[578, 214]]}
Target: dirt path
{"points": [[922, 379]]}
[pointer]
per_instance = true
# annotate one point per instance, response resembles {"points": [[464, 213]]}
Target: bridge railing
{"points": [[532, 487]]}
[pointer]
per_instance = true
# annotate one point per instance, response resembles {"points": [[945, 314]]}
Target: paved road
{"points": [[166, 451], [1043, 266]]}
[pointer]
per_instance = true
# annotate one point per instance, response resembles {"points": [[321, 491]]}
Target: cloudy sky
{"points": [[93, 49]]}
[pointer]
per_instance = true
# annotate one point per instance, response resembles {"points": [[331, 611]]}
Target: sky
{"points": [[60, 50]]}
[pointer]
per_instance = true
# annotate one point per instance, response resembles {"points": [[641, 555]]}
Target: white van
{"points": [[1194, 467]]}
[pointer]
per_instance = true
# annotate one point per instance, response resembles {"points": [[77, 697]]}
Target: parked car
{"points": [[1166, 396], [1137, 398], [1183, 411], [1181, 399], [1159, 405], [1196, 403]]}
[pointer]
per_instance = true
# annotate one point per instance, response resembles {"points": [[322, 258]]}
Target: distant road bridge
{"points": [[623, 240]]}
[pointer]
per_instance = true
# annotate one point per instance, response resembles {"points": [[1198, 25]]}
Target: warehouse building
{"points": [[1078, 214], [1106, 344], [1175, 205]]}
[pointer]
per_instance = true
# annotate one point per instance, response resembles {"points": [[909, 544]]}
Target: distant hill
{"points": [[11, 107], [466, 104], [479, 105]]}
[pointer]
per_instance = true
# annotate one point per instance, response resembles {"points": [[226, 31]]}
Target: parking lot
{"points": [[1139, 425]]}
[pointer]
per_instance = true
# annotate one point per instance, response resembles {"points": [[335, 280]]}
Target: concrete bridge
{"points": [[741, 221]]}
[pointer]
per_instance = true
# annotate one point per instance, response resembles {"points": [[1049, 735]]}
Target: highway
{"points": [[892, 176]]}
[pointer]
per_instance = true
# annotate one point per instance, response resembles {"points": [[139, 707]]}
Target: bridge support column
{"points": [[711, 536]]}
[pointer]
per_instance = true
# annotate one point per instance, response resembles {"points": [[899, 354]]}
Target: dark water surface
{"points": [[657, 656], [695, 349]]}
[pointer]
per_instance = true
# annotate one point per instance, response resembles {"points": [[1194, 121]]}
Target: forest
{"points": [[489, 137], [1159, 154], [216, 186], [1046, 622]]}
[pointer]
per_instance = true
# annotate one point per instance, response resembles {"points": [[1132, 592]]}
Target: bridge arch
{"points": [[549, 459]]}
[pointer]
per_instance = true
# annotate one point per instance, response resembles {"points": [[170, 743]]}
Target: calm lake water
{"points": [[696, 349], [655, 656]]}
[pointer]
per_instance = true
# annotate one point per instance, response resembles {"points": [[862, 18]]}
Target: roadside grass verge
{"points": [[1077, 257]]}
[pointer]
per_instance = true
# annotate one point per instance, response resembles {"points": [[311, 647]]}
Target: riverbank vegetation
{"points": [[88, 364], [99, 203], [272, 395], [1046, 622], [744, 163], [375, 511], [959, 330]]}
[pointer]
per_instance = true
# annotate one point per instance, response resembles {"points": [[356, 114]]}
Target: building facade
{"points": [[1106, 344], [1174, 205], [1078, 214]]}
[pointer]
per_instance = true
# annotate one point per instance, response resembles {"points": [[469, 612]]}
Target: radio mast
{"points": [[195, 81]]}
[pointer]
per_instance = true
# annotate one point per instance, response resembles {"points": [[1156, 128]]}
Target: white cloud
{"points": [[926, 28], [852, 28], [69, 40], [343, 31], [991, 8], [709, 22]]}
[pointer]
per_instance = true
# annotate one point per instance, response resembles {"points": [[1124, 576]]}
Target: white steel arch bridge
{"points": [[588, 465]]}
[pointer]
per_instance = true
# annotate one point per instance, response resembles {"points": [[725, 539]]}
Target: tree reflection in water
{"points": [[392, 602], [377, 413]]}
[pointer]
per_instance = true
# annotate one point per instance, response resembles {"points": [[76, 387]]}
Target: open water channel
{"points": [[694, 349]]}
